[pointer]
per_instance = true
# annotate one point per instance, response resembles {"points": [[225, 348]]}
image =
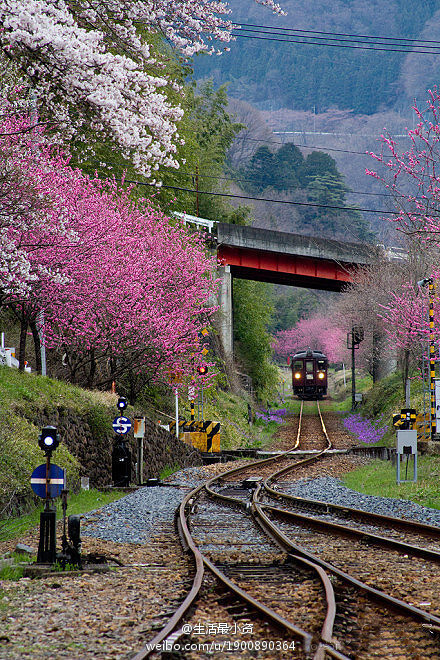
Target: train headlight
{"points": [[321, 375], [297, 375]]}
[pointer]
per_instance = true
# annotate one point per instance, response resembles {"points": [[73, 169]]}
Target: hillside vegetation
{"points": [[274, 75], [314, 180]]}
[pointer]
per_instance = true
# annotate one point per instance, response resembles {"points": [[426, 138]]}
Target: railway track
{"points": [[319, 590]]}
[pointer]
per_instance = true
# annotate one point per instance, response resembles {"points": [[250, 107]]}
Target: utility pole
{"points": [[433, 414], [432, 357], [353, 374], [197, 190]]}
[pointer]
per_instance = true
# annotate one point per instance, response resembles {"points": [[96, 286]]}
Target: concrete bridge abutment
{"points": [[225, 311]]}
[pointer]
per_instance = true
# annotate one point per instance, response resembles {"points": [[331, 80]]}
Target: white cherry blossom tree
{"points": [[91, 63]]}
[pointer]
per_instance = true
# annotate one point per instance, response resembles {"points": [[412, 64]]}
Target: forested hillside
{"points": [[313, 189], [273, 75], [338, 96]]}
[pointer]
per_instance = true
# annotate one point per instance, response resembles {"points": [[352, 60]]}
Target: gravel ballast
{"points": [[332, 490], [132, 519]]}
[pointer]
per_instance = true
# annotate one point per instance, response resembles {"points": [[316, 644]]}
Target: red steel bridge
{"points": [[282, 258]]}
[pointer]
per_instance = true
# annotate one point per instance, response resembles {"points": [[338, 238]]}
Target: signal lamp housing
{"points": [[49, 439], [122, 403], [202, 369]]}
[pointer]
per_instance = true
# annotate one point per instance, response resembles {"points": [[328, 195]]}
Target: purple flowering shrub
{"points": [[272, 415], [366, 431]]}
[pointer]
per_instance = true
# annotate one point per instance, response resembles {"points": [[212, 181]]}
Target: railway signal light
{"points": [[49, 439], [202, 369], [122, 403], [357, 334]]}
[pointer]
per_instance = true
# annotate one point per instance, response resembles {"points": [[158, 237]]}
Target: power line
{"points": [[224, 178], [306, 146], [344, 38], [330, 45], [334, 134], [264, 199], [339, 34]]}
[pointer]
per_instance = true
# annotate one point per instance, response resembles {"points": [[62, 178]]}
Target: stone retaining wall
{"points": [[93, 447]]}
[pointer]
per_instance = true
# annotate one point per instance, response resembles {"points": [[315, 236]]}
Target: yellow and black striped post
{"points": [[432, 356]]}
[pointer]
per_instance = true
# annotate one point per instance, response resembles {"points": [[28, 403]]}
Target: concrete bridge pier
{"points": [[225, 311]]}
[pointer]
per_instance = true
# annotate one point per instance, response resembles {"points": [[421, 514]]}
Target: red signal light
{"points": [[202, 369]]}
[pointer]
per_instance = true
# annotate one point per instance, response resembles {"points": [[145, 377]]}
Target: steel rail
{"points": [[196, 586], [325, 642], [327, 628], [374, 518], [343, 530], [301, 462], [268, 612], [412, 526], [272, 532], [381, 596], [307, 460], [263, 609], [390, 601], [201, 561]]}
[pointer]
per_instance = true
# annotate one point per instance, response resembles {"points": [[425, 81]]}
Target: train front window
{"points": [[321, 365], [298, 365], [309, 366]]}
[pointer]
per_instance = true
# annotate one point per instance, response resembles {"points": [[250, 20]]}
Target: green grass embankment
{"points": [[77, 503], [382, 400], [231, 410], [379, 478], [27, 397]]}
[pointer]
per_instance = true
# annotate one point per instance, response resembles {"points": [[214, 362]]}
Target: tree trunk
{"points": [[37, 345], [22, 347], [92, 370]]}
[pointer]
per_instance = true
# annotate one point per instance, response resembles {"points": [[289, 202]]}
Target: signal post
{"points": [[354, 338]]}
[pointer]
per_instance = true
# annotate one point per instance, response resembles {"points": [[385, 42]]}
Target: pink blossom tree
{"points": [[137, 307], [413, 178], [318, 333], [121, 287]]}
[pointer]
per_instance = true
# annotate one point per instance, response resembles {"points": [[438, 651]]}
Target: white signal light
{"points": [[297, 375], [49, 439], [321, 375]]}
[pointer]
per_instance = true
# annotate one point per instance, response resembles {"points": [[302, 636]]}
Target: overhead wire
{"points": [[239, 180], [320, 41], [341, 36], [265, 199], [338, 34], [304, 146], [346, 40]]}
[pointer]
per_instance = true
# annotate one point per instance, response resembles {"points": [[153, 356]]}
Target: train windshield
{"points": [[321, 364], [309, 366], [298, 365]]}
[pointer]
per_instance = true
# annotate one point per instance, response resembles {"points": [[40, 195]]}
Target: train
{"points": [[309, 374]]}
